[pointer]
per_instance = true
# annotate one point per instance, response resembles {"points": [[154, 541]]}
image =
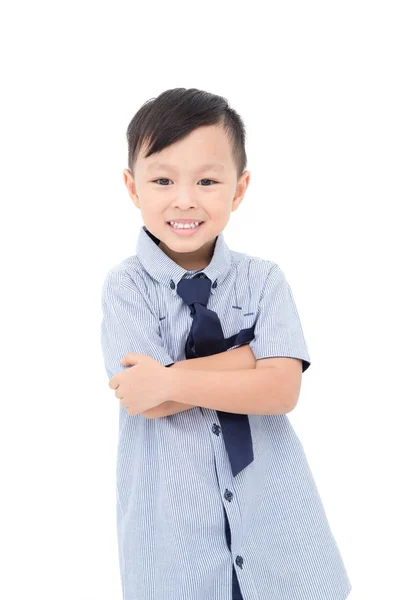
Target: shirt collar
{"points": [[164, 270]]}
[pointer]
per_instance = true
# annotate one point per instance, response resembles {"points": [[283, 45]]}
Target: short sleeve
{"points": [[129, 323], [278, 331]]}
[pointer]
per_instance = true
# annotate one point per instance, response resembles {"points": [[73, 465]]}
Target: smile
{"points": [[185, 231]]}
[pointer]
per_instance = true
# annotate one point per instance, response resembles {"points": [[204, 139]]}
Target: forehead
{"points": [[205, 148], [171, 167]]}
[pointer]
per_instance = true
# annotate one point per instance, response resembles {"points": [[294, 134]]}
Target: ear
{"points": [[131, 186], [241, 188]]}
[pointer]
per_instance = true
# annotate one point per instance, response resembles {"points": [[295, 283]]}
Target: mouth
{"points": [[185, 231]]}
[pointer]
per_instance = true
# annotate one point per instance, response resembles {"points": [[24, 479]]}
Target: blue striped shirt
{"points": [[173, 473]]}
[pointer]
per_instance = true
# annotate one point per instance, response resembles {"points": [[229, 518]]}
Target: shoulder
{"points": [[126, 274], [256, 269]]}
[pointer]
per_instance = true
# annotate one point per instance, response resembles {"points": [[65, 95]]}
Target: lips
{"points": [[183, 221], [186, 231]]}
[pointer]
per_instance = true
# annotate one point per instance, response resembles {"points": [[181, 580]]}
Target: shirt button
{"points": [[214, 285], [239, 561], [172, 285], [228, 495], [216, 429]]}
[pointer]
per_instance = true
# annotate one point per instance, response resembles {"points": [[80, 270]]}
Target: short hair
{"points": [[175, 113]]}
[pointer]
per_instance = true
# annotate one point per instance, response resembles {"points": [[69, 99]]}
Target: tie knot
{"points": [[196, 289]]}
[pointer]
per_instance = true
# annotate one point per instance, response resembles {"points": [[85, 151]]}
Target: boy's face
{"points": [[183, 189]]}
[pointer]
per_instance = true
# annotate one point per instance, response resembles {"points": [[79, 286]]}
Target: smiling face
{"points": [[193, 179]]}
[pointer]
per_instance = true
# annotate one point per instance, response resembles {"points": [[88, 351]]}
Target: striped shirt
{"points": [[173, 473]]}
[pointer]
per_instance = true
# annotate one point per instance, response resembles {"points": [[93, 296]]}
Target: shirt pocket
{"points": [[238, 321]]}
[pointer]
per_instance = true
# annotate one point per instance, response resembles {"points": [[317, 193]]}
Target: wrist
{"points": [[170, 384]]}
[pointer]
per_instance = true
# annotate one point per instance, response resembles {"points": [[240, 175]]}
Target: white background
{"points": [[317, 85]]}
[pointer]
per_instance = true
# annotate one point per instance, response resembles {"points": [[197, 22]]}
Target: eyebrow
{"points": [[209, 166]]}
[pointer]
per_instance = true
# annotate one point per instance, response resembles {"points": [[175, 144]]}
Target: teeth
{"points": [[184, 225]]}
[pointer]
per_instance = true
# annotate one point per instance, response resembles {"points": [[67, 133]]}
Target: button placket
{"points": [[228, 496]]}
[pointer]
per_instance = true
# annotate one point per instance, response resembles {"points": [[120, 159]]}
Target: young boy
{"points": [[215, 497]]}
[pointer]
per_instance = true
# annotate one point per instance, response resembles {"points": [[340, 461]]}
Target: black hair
{"points": [[175, 113]]}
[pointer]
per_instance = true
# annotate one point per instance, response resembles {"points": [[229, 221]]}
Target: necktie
{"points": [[206, 338]]}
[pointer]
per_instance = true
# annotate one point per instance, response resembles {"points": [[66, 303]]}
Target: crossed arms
{"points": [[277, 384]]}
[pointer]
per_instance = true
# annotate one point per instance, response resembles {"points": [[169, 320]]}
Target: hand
{"points": [[143, 386]]}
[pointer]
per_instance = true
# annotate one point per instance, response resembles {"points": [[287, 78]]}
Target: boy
{"points": [[215, 498]]}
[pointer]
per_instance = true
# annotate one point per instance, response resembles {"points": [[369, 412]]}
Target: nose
{"points": [[184, 200]]}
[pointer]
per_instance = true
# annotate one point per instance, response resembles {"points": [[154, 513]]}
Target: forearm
{"points": [[245, 391], [232, 360]]}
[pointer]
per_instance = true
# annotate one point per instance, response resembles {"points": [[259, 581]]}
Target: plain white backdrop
{"points": [[317, 85]]}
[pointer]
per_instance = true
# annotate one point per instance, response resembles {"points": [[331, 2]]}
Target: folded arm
{"points": [[239, 358], [272, 388]]}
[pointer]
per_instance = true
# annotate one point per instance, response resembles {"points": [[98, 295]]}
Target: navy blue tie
{"points": [[206, 338]]}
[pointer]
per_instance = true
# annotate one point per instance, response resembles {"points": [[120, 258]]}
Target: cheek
{"points": [[222, 206], [151, 208]]}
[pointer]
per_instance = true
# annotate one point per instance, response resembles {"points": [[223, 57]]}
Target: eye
{"points": [[160, 179], [208, 180], [166, 179]]}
